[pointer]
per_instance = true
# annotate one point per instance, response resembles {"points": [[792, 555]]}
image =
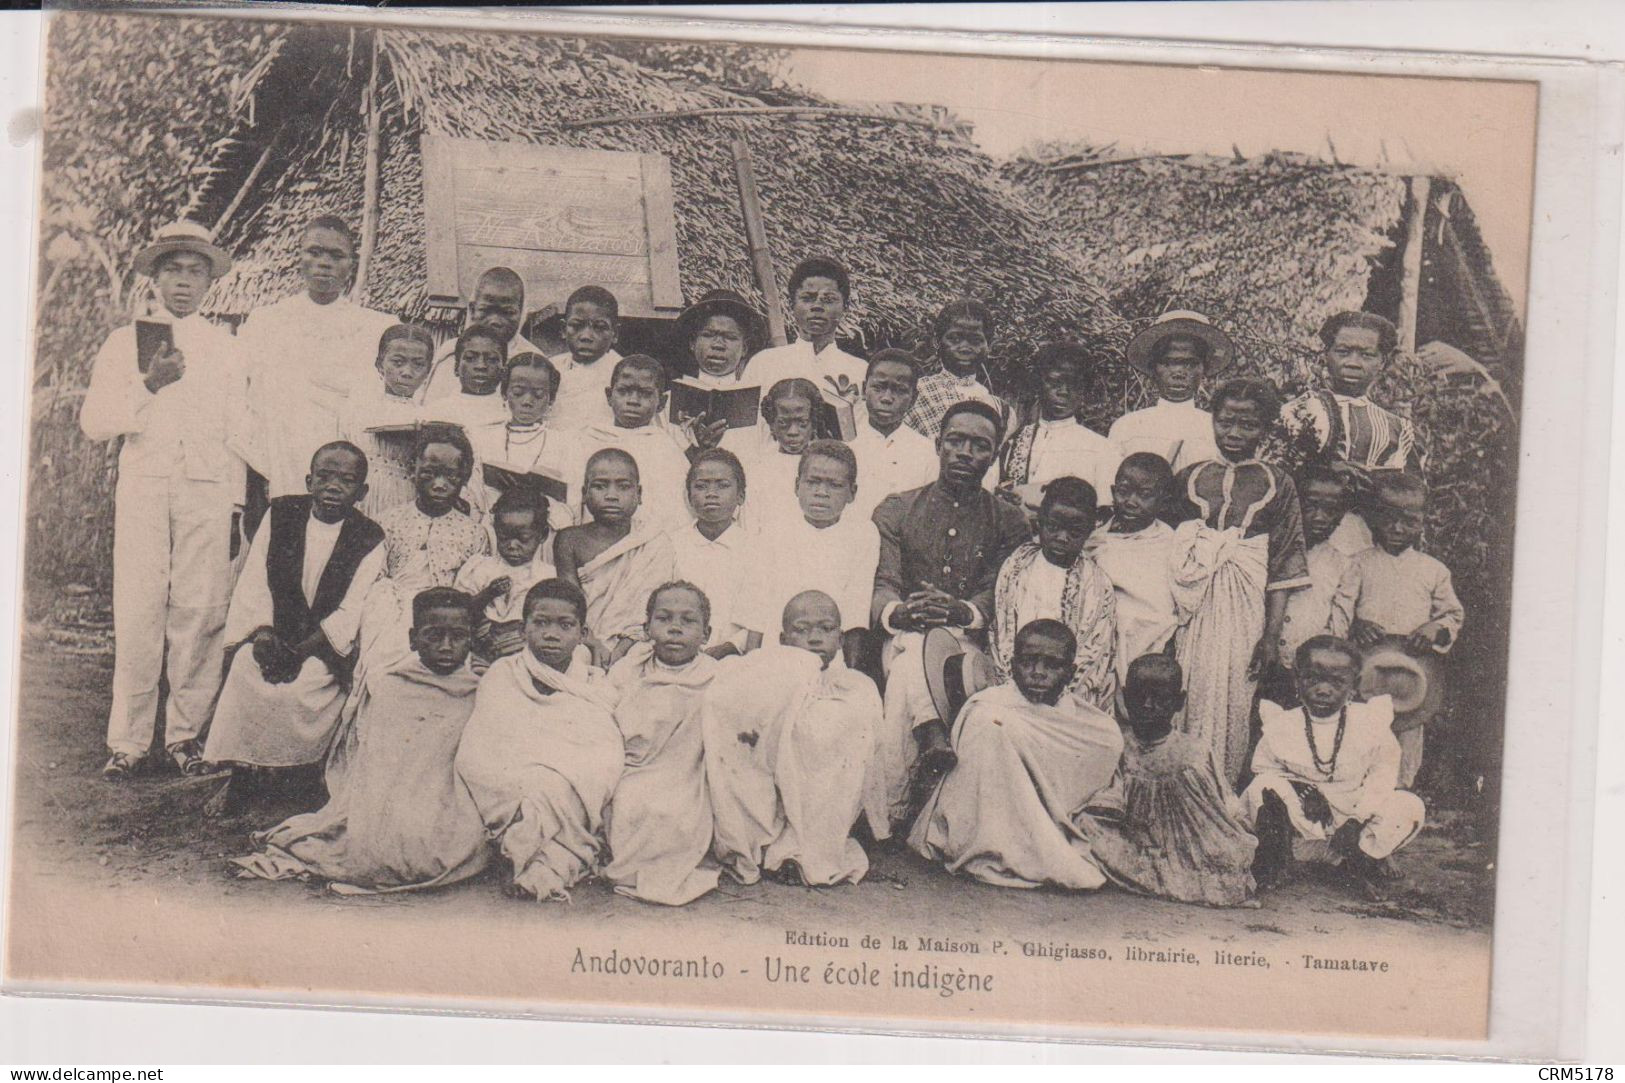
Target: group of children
{"points": [[522, 609]]}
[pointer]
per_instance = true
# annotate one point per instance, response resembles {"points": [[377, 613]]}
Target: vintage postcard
{"points": [[1077, 598]]}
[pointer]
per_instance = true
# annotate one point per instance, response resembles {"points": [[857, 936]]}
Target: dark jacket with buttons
{"points": [[929, 540]]}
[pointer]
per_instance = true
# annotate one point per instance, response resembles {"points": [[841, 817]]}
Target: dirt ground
{"points": [[148, 839]]}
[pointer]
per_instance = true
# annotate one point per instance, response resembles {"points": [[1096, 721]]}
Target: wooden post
{"points": [[369, 183], [750, 204], [1410, 268]]}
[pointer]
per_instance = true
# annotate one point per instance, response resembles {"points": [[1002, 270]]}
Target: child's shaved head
{"points": [[812, 621], [616, 456]]}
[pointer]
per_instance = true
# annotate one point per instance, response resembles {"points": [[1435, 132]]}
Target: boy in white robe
{"points": [[478, 361], [541, 753], [526, 440], [637, 397], [892, 458], [292, 626], [1326, 605], [1138, 553], [1329, 771], [1031, 754], [1176, 351], [820, 290], [498, 304], [824, 548], [305, 356], [659, 819], [176, 517], [399, 818], [717, 552], [788, 733], [592, 322]]}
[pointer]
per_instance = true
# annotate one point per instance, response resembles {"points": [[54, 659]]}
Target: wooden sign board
{"points": [[562, 217]]}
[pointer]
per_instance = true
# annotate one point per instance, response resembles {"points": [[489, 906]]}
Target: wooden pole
{"points": [[369, 182], [761, 257], [1410, 268]]}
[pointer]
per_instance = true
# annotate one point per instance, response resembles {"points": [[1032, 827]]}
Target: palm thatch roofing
{"points": [[918, 214]]}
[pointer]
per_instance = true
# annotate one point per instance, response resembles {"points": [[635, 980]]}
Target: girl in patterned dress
{"points": [[1168, 826], [1242, 550]]}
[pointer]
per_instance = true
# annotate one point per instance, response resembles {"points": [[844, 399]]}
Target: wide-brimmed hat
{"points": [[1416, 684], [953, 672], [724, 303], [1143, 346], [183, 236]]}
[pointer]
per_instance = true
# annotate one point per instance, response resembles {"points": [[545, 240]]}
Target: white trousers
{"points": [[907, 705], [1394, 819], [172, 578]]}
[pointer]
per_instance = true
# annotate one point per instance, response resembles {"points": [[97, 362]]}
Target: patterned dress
{"points": [[1177, 833], [1243, 539], [423, 551]]}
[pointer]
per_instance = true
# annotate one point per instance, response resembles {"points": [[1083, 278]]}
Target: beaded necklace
{"points": [[1326, 767]]}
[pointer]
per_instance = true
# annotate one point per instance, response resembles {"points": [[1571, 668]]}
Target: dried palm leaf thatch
{"points": [[919, 215]]}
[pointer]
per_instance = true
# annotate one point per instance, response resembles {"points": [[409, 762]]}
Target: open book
{"points": [[739, 406], [502, 479]]}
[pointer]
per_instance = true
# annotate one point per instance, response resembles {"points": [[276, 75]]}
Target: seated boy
{"points": [[1329, 771], [527, 440], [1176, 351], [892, 458], [428, 540], [820, 290], [637, 396], [499, 582], [1030, 755], [788, 731], [659, 819], [541, 753], [1053, 578], [1401, 591], [617, 557], [479, 359], [297, 611], [823, 548], [1326, 605], [498, 303], [398, 817], [592, 319], [1136, 550], [963, 332], [717, 552], [1057, 443], [404, 354], [789, 408]]}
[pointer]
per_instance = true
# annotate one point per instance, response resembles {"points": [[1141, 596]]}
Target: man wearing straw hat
{"points": [[171, 384], [1178, 351]]}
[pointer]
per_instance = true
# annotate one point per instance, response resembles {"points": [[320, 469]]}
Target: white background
{"points": [[84, 1032]]}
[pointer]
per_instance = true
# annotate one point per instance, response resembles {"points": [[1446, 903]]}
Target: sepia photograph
{"points": [[727, 531]]}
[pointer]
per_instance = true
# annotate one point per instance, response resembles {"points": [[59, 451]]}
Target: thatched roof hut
{"points": [[257, 126], [907, 201]]}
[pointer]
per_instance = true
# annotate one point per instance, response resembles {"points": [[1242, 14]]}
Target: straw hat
{"points": [[953, 673], [183, 236], [1416, 684], [1143, 346], [724, 303]]}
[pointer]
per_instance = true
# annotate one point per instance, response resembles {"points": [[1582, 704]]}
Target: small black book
{"points": [[835, 418], [740, 406], [502, 479], [151, 339]]}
